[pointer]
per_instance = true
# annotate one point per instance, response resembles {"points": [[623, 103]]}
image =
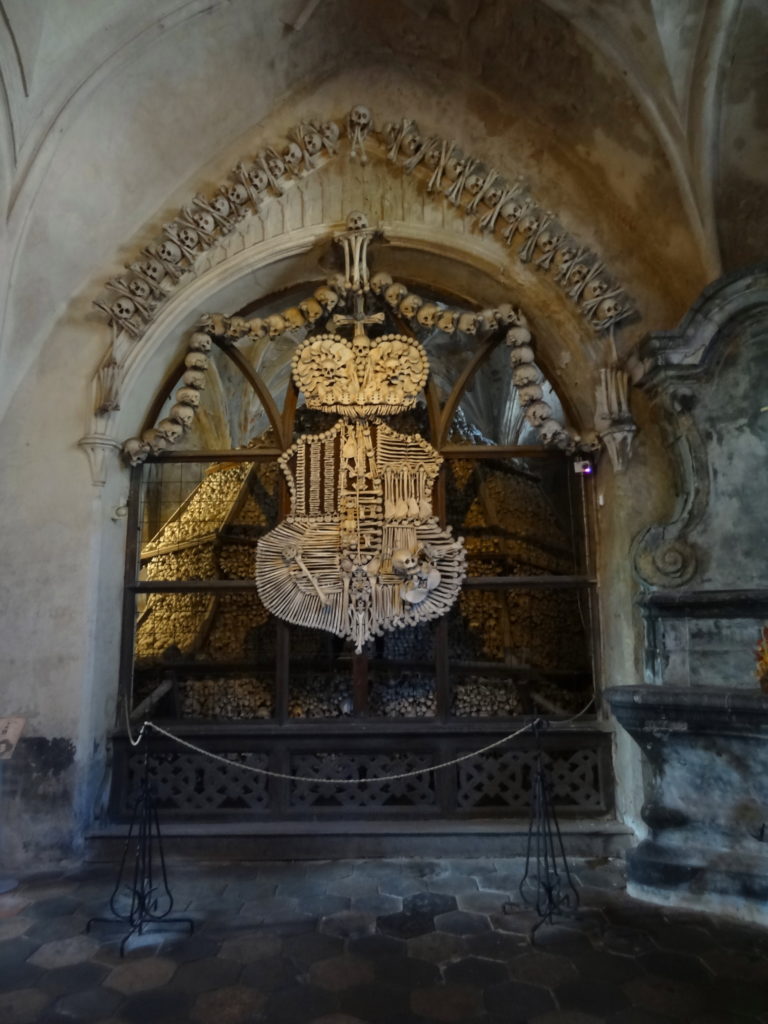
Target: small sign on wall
{"points": [[10, 731]]}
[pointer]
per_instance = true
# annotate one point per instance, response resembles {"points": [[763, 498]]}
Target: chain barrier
{"points": [[534, 724]]}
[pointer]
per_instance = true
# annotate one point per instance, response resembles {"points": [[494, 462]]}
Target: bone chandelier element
{"points": [[361, 551], [491, 203]]}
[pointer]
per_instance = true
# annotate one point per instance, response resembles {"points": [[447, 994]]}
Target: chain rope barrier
{"points": [[529, 726]]}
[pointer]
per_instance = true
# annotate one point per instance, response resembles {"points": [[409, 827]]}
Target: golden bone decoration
{"points": [[362, 551]]}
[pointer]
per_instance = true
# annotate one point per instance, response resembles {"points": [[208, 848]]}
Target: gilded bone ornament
{"points": [[361, 551]]}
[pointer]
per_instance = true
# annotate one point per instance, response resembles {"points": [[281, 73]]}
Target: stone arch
{"points": [[283, 237]]}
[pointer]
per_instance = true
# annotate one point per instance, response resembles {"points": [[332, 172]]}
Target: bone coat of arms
{"points": [[361, 551]]}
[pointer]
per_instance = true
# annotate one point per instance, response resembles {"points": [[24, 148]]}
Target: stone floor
{"points": [[373, 942]]}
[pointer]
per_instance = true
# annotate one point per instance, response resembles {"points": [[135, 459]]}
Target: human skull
{"points": [[594, 289], [135, 451], [564, 255], [518, 336], [204, 221], [257, 328], [292, 157], [361, 346], [432, 156], [182, 414], [258, 178], [275, 165], [409, 307], [293, 318], [123, 309], [189, 237], [276, 325], [468, 323], [395, 294], [404, 563], [139, 288], [506, 314], [525, 373], [153, 269], [520, 355], [330, 132], [529, 224], [196, 361], [199, 341], [360, 120], [380, 282], [488, 319], [528, 394], [511, 211], [494, 193], [545, 243], [194, 379], [188, 396], [607, 309], [428, 314], [356, 221], [474, 183], [411, 142], [447, 321], [538, 413], [578, 274], [237, 194], [169, 251], [312, 139], [170, 430], [221, 205], [549, 431], [327, 297], [156, 441], [453, 167], [311, 309]]}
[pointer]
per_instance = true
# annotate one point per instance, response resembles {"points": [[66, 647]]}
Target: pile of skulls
{"points": [[224, 697]]}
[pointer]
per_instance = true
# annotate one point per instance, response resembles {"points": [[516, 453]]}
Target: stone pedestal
{"points": [[707, 803]]}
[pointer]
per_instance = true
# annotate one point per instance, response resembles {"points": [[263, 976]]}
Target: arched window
{"points": [[202, 652]]}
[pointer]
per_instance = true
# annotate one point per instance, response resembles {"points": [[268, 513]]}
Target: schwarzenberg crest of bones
{"points": [[361, 551]]}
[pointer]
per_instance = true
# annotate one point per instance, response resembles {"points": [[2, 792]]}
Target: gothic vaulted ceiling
{"points": [[645, 118]]}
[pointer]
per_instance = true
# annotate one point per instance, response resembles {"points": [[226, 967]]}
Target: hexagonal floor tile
{"points": [[341, 972], [429, 903], [454, 1004], [140, 975], [406, 926], [476, 972], [437, 947], [462, 922]]}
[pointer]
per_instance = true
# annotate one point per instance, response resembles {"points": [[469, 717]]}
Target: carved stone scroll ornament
{"points": [[662, 554]]}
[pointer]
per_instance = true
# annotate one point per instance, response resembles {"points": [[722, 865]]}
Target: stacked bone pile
{"points": [[321, 697], [192, 625], [204, 512], [171, 624], [484, 698], [411, 696], [235, 616], [223, 697]]}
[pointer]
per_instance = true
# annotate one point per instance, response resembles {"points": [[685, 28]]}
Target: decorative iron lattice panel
{"points": [[415, 791], [503, 779], [192, 783]]}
